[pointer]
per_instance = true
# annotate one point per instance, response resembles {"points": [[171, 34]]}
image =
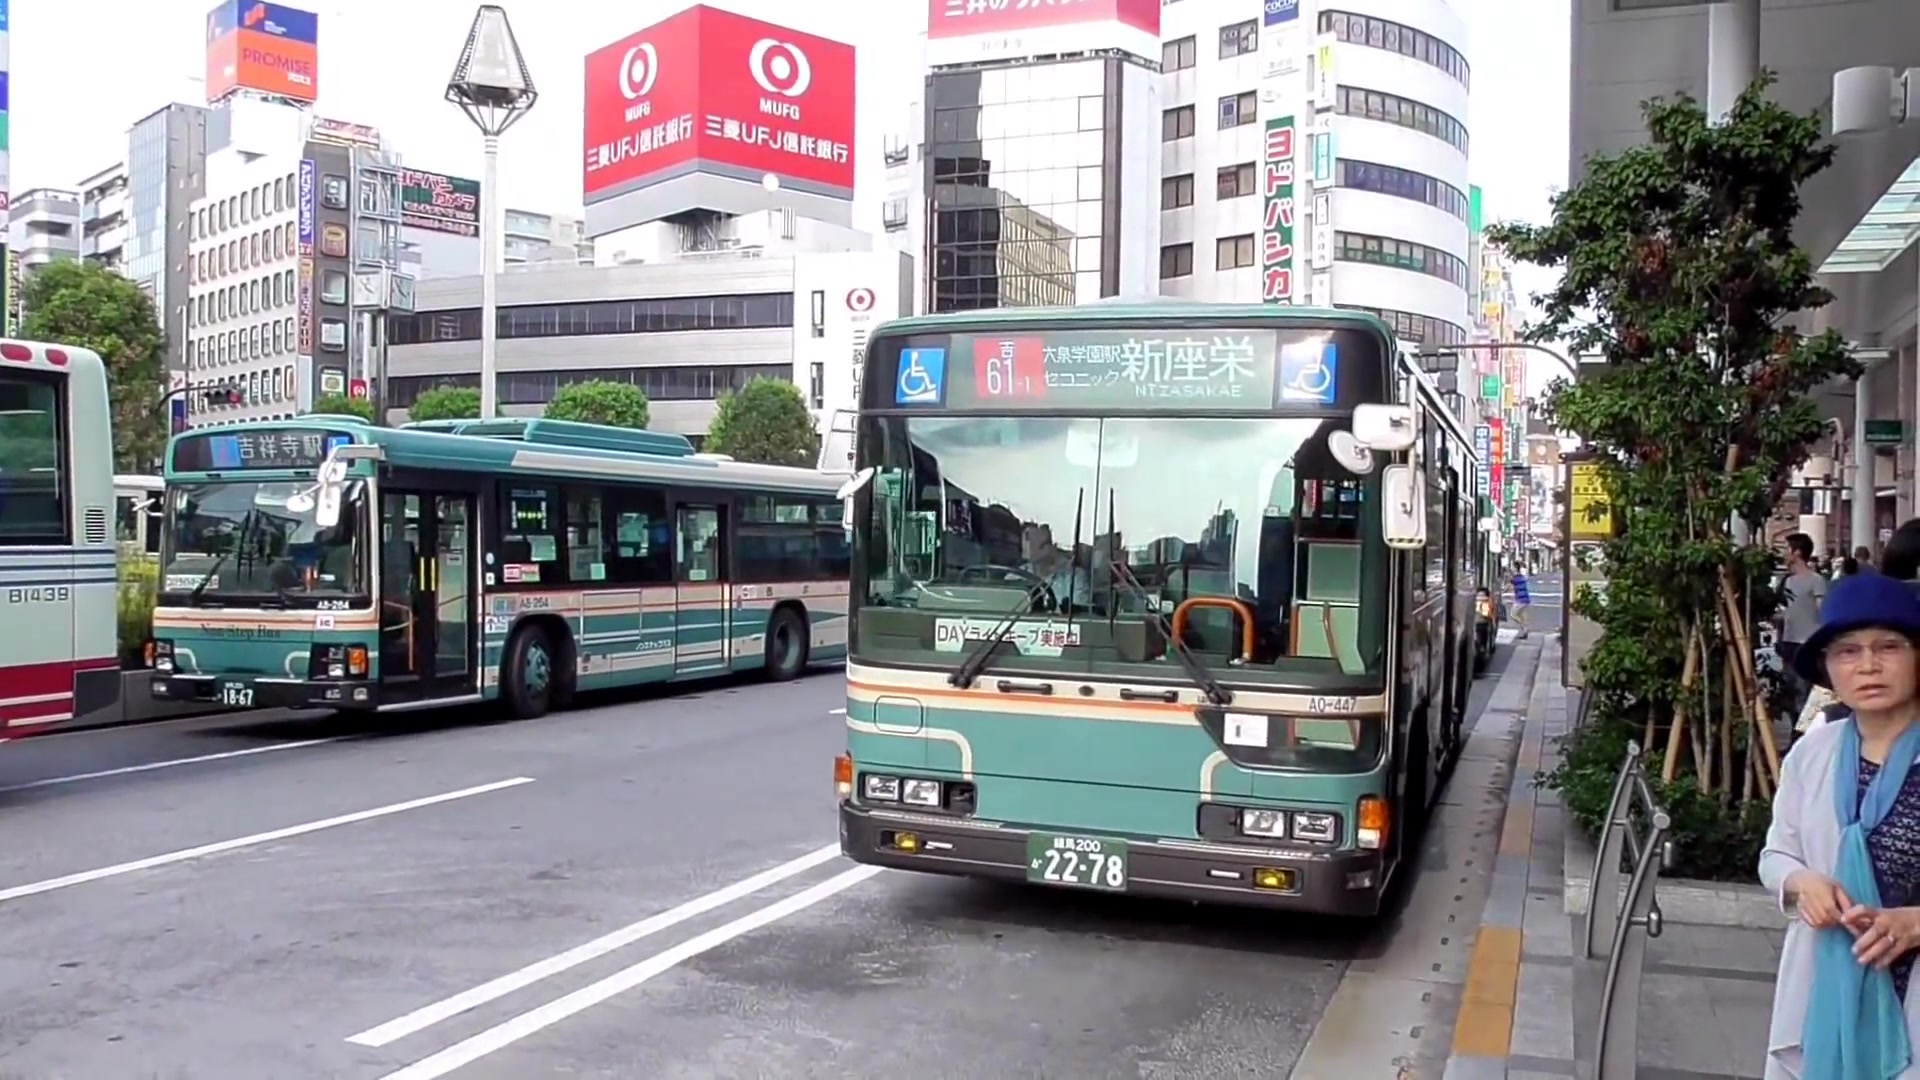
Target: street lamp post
{"points": [[492, 87]]}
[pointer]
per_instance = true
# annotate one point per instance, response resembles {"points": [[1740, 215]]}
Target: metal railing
{"points": [[1617, 927]]}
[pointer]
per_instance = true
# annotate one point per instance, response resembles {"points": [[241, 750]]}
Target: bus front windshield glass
{"points": [[243, 540], [1251, 537]]}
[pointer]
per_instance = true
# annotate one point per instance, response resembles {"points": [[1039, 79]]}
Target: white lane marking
{"points": [[836, 712], [168, 764], [422, 1018], [503, 1035], [220, 847]]}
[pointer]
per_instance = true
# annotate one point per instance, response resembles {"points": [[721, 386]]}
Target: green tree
{"points": [[1680, 271], [342, 405], [446, 403], [766, 421], [79, 303], [615, 404]]}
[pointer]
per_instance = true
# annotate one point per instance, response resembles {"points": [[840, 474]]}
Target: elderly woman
{"points": [[1843, 852]]}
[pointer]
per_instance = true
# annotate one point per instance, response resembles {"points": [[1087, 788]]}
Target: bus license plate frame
{"points": [[234, 693], [1079, 862]]}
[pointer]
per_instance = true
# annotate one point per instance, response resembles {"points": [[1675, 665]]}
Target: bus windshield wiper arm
{"points": [[1190, 663], [976, 661]]}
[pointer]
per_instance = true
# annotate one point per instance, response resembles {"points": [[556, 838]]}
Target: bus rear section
{"points": [[59, 654], [1119, 631]]}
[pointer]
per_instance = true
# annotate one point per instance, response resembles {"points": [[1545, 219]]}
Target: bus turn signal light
{"points": [[843, 776], [357, 661], [1371, 821]]}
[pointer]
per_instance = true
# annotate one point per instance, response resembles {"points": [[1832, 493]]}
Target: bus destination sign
{"points": [[288, 448], [1219, 370]]}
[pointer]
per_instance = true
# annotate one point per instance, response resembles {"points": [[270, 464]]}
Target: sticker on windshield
{"points": [[188, 582], [1039, 637], [1309, 371], [922, 377]]}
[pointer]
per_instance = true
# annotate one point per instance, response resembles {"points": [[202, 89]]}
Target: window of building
{"points": [[1421, 329], [1176, 261], [1176, 123], [1239, 109], [1233, 252], [679, 383], [32, 497], [1393, 109], [1235, 181], [764, 311], [1400, 255], [1176, 192], [333, 287], [1405, 40], [1179, 55], [1239, 39], [1401, 184]]}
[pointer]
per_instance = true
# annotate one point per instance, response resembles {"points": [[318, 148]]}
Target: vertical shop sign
{"points": [[1277, 227]]}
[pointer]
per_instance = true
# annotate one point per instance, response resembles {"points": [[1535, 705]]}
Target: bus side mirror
{"points": [[1403, 493], [333, 480], [1387, 428], [854, 483]]}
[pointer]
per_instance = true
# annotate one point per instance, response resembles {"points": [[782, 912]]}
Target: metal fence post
{"points": [[1603, 900]]}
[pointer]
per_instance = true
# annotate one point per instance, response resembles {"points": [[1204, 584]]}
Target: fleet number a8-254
{"points": [[48, 594]]}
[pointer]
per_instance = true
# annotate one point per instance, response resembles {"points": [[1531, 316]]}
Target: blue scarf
{"points": [[1855, 1027]]}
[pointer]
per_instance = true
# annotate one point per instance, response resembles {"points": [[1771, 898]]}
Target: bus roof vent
{"points": [[564, 433], [714, 457]]}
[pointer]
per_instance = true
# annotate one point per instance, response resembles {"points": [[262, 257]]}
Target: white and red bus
{"points": [[58, 583]]}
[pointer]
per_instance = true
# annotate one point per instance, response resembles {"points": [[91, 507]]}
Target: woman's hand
{"points": [[1881, 936], [1820, 899]]}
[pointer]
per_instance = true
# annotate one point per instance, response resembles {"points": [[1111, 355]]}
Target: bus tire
{"points": [[786, 645], [527, 673]]}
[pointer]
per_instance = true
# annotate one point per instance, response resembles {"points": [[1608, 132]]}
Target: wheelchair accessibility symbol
{"points": [[922, 377], [1309, 371]]}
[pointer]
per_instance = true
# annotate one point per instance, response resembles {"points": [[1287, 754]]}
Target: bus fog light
{"points": [[880, 788], [336, 671], [163, 663], [1268, 823], [1323, 828], [920, 792]]}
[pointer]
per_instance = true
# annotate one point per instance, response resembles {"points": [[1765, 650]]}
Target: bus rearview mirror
{"points": [[855, 483], [1403, 495], [1387, 428]]}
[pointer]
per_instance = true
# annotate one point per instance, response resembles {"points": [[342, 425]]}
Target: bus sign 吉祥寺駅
{"points": [[287, 448]]}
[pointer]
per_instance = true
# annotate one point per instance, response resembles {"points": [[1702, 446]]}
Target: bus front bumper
{"points": [[246, 693], [1336, 883]]}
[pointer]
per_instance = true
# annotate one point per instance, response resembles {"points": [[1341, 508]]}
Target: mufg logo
{"points": [[783, 73], [922, 379]]}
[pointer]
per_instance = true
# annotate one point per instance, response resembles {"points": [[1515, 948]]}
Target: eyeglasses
{"points": [[1855, 653]]}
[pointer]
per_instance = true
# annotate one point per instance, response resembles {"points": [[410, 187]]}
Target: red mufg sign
{"points": [[712, 90], [964, 18]]}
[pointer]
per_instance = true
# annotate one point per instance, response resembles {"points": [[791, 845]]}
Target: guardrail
{"points": [[1617, 927]]}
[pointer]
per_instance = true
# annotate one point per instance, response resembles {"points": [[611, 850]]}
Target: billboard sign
{"points": [[1277, 225], [1282, 11], [1483, 447], [1497, 459], [263, 48], [972, 31], [308, 210], [712, 92], [439, 203]]}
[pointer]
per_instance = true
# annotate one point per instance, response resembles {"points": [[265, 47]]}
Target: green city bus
{"points": [[1161, 598], [324, 562]]}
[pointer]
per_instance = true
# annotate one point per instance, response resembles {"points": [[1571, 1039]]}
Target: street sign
{"points": [[1885, 433]]}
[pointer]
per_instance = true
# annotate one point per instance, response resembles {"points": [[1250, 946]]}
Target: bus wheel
{"points": [[786, 645], [527, 675]]}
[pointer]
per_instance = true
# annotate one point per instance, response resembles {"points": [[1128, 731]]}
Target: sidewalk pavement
{"points": [[1530, 1009]]}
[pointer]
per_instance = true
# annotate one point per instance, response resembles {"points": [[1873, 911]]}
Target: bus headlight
{"points": [[880, 788], [1271, 824], [163, 656], [920, 792], [1320, 828]]}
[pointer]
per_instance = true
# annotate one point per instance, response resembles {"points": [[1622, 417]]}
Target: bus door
{"points": [[426, 595], [703, 629]]}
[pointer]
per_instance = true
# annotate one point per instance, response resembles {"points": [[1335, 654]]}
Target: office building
{"points": [[1372, 98], [43, 226], [103, 218], [166, 172], [685, 330], [531, 238]]}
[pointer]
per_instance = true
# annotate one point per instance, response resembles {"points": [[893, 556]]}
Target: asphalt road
{"points": [[649, 888]]}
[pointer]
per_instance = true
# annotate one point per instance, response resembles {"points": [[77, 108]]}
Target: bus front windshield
{"points": [[1252, 532], [243, 540]]}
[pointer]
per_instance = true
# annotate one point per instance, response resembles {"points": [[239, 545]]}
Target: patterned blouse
{"points": [[1894, 847]]}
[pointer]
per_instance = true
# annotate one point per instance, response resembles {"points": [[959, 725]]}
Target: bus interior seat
{"points": [[1329, 607]]}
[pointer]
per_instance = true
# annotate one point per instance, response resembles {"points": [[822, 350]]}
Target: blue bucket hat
{"points": [[1857, 602]]}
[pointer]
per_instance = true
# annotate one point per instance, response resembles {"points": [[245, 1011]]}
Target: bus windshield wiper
{"points": [[239, 541], [1190, 663], [976, 661]]}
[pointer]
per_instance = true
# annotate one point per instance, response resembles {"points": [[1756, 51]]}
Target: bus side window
{"points": [[154, 522], [126, 519]]}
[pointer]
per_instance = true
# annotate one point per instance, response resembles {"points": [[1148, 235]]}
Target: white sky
{"points": [[76, 87]]}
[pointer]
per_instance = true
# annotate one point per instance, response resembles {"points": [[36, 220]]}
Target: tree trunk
{"points": [[1746, 686], [1670, 767]]}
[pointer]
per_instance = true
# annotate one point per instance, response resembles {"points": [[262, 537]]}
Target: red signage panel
{"points": [[642, 103], [964, 18]]}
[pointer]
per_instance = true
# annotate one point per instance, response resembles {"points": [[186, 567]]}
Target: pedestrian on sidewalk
{"points": [[1843, 849], [1522, 599], [1803, 590]]}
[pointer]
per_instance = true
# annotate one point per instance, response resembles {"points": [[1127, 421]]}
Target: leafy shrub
{"points": [[139, 588]]}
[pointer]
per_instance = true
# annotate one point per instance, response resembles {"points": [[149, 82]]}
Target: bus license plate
{"points": [[1084, 862], [236, 695]]}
